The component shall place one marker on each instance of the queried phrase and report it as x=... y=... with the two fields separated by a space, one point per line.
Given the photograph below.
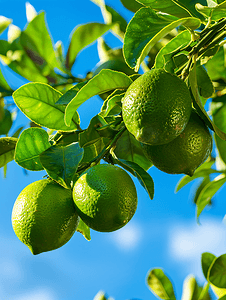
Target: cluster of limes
x=46 y=215
x=157 y=110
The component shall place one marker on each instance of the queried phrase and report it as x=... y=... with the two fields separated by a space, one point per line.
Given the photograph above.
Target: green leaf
x=83 y=36
x=167 y=6
x=217 y=273
x=207 y=193
x=200 y=187
x=191 y=290
x=5 y=89
x=7 y=149
x=61 y=162
x=37 y=102
x=219 y=119
x=128 y=148
x=219 y=11
x=84 y=230
x=160 y=284
x=106 y=80
x=204 y=82
x=4 y=23
x=30 y=12
x=17 y=60
x=31 y=143
x=37 y=43
x=178 y=41
x=115 y=18
x=198 y=104
x=207 y=260
x=70 y=94
x=203 y=171
x=91 y=151
x=189 y=5
x=113 y=105
x=204 y=295
x=139 y=40
x=144 y=178
x=216 y=66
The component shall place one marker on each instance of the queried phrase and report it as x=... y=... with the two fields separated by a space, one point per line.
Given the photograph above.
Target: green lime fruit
x=185 y=153
x=156 y=107
x=6 y=122
x=131 y=5
x=105 y=197
x=44 y=216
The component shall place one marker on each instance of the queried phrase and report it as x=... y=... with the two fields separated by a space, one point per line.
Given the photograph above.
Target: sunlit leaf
x=139 y=40
x=84 y=230
x=208 y=192
x=7 y=149
x=144 y=178
x=81 y=37
x=128 y=148
x=216 y=273
x=160 y=284
x=199 y=106
x=106 y=80
x=182 y=38
x=204 y=82
x=207 y=260
x=203 y=171
x=191 y=289
x=38 y=45
x=4 y=23
x=61 y=162
x=30 y=12
x=37 y=102
x=167 y=6
x=31 y=143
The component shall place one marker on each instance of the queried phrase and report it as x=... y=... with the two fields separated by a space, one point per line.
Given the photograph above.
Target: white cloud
x=128 y=237
x=188 y=241
x=43 y=294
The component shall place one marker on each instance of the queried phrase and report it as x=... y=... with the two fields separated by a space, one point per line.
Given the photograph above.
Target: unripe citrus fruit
x=44 y=216
x=185 y=153
x=105 y=197
x=156 y=107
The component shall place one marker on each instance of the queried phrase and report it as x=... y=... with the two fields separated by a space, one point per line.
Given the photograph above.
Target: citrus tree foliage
x=185 y=38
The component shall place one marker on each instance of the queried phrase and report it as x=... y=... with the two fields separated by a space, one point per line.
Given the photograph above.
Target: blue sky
x=163 y=232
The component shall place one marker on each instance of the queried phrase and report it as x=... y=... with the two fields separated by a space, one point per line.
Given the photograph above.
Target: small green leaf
x=7 y=149
x=30 y=12
x=198 y=104
x=191 y=290
x=207 y=193
x=189 y=5
x=92 y=150
x=178 y=41
x=31 y=143
x=84 y=230
x=205 y=295
x=61 y=162
x=217 y=272
x=216 y=66
x=203 y=171
x=207 y=260
x=37 y=43
x=219 y=11
x=37 y=102
x=144 y=178
x=139 y=40
x=106 y=80
x=4 y=23
x=81 y=37
x=160 y=284
x=204 y=82
x=70 y=94
x=128 y=148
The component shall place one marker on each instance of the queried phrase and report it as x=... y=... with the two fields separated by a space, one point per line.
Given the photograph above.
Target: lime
x=105 y=197
x=185 y=153
x=44 y=216
x=156 y=107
